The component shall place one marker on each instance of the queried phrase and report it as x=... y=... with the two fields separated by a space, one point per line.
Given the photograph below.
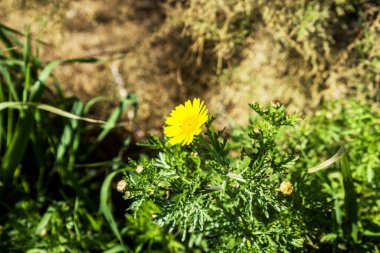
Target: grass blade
x=67 y=135
x=328 y=162
x=92 y=102
x=27 y=67
x=350 y=201
x=10 y=121
x=16 y=149
x=100 y=164
x=45 y=220
x=48 y=108
x=7 y=28
x=113 y=119
x=4 y=37
x=106 y=204
x=46 y=72
x=8 y=80
x=118 y=248
x=78 y=107
x=2 y=132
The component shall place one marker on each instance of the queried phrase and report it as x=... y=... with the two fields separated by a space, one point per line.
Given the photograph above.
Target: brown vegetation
x=228 y=53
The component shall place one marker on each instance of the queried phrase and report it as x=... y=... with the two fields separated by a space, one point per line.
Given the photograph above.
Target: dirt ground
x=150 y=67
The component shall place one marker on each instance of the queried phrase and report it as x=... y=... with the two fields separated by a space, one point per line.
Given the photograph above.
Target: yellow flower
x=185 y=121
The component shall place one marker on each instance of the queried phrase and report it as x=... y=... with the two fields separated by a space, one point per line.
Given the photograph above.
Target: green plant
x=65 y=226
x=217 y=202
x=214 y=200
x=50 y=170
x=147 y=236
x=352 y=221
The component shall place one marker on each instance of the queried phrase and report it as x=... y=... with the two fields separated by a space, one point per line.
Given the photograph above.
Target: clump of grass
x=244 y=49
x=352 y=221
x=319 y=35
x=48 y=178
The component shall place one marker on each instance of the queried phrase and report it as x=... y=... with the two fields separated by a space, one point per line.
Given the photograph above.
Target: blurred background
x=229 y=53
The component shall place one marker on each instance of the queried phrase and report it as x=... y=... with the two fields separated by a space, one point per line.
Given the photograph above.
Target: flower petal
x=186 y=121
x=177 y=139
x=172 y=131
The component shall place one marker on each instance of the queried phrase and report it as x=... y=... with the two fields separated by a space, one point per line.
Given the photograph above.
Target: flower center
x=189 y=125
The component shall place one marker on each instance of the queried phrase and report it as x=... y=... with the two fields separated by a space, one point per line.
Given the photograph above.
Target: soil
x=150 y=66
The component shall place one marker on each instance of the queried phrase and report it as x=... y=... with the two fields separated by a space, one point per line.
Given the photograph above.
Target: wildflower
x=185 y=121
x=286 y=188
x=139 y=169
x=121 y=185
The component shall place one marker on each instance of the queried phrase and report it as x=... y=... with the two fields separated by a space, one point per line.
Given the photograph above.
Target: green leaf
x=328 y=162
x=118 y=248
x=45 y=107
x=350 y=200
x=27 y=66
x=45 y=220
x=106 y=204
x=9 y=82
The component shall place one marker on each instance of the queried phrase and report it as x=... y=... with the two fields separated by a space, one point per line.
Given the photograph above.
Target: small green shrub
x=217 y=202
x=267 y=199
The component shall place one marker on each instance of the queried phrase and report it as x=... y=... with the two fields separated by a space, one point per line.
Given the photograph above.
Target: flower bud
x=194 y=154
x=121 y=185
x=286 y=188
x=139 y=169
x=256 y=130
x=127 y=194
x=43 y=232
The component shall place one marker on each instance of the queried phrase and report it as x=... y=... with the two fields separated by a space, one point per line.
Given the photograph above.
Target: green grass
x=349 y=191
x=46 y=189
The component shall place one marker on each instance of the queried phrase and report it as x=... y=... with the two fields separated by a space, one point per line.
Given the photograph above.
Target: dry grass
x=228 y=53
